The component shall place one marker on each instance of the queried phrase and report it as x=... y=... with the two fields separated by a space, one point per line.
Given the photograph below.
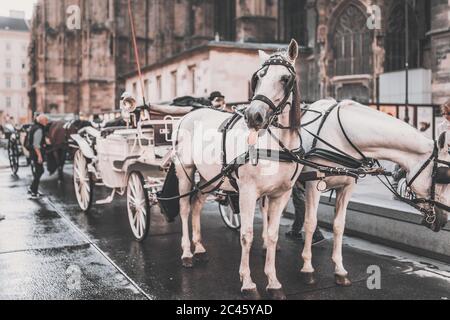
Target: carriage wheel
x=138 y=206
x=231 y=220
x=13 y=155
x=83 y=182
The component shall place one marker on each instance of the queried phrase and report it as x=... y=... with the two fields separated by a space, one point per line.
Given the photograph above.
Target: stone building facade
x=14 y=40
x=85 y=70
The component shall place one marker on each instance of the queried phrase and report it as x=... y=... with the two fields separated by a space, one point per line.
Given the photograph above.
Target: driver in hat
x=218 y=102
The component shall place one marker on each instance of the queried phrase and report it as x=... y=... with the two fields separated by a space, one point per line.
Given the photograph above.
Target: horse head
x=275 y=88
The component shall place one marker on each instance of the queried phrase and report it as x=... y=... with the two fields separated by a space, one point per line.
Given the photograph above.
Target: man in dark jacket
x=298 y=197
x=36 y=145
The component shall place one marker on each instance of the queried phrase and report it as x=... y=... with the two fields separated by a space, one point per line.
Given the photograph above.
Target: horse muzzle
x=256 y=116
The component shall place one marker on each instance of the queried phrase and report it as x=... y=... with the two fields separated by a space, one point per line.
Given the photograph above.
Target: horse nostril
x=259 y=118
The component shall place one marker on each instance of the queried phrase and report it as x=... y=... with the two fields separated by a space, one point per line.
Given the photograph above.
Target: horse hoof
x=251 y=295
x=308 y=278
x=201 y=257
x=276 y=294
x=188 y=263
x=342 y=281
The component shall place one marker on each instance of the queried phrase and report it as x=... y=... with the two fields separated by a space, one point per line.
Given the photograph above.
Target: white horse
x=376 y=136
x=198 y=148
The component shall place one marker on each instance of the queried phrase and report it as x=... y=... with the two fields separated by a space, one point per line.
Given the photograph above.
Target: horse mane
x=295 y=114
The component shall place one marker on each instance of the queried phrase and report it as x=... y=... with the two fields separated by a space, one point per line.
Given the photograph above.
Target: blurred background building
x=14 y=40
x=197 y=46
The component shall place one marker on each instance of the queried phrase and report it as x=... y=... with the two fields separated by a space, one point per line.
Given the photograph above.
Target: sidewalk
x=43 y=257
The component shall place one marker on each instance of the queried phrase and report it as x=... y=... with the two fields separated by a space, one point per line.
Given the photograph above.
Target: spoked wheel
x=83 y=182
x=231 y=220
x=138 y=206
x=13 y=155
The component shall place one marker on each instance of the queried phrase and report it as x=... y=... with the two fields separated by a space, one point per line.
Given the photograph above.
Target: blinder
x=443 y=175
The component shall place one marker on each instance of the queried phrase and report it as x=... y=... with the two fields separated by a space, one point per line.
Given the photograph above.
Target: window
x=352 y=43
x=192 y=79
x=24 y=64
x=395 y=39
x=24 y=83
x=8 y=63
x=174 y=87
x=159 y=88
x=8 y=82
x=294 y=21
x=8 y=102
x=8 y=46
x=225 y=19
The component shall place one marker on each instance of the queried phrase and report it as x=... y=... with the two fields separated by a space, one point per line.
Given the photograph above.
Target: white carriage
x=136 y=160
x=126 y=160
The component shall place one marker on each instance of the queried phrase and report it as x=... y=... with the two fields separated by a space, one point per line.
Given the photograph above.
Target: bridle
x=276 y=60
x=437 y=177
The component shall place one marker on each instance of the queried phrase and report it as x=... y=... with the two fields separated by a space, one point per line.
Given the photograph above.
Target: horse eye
x=285 y=79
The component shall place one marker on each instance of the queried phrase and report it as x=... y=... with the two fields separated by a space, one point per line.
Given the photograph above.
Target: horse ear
x=293 y=50
x=263 y=57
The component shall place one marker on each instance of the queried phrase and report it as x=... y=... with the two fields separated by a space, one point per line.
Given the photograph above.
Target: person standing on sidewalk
x=298 y=197
x=36 y=145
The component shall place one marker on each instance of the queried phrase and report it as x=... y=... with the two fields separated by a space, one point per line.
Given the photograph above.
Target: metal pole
x=406 y=61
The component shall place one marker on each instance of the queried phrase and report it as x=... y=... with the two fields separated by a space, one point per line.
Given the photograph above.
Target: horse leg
x=197 y=205
x=312 y=205
x=62 y=159
x=343 y=196
x=247 y=208
x=185 y=186
x=276 y=207
x=264 y=207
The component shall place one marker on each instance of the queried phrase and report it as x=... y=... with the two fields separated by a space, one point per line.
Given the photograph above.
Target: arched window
x=395 y=39
x=352 y=43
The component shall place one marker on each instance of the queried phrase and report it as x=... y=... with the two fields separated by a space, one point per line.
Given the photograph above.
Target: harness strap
x=348 y=139
x=322 y=123
x=423 y=167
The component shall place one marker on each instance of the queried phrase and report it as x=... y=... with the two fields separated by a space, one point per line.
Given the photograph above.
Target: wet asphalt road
x=42 y=242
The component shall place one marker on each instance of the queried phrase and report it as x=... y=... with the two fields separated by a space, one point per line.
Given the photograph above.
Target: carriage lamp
x=128 y=105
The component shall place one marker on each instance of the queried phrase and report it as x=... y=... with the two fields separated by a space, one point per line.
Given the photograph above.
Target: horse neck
x=381 y=137
x=289 y=137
